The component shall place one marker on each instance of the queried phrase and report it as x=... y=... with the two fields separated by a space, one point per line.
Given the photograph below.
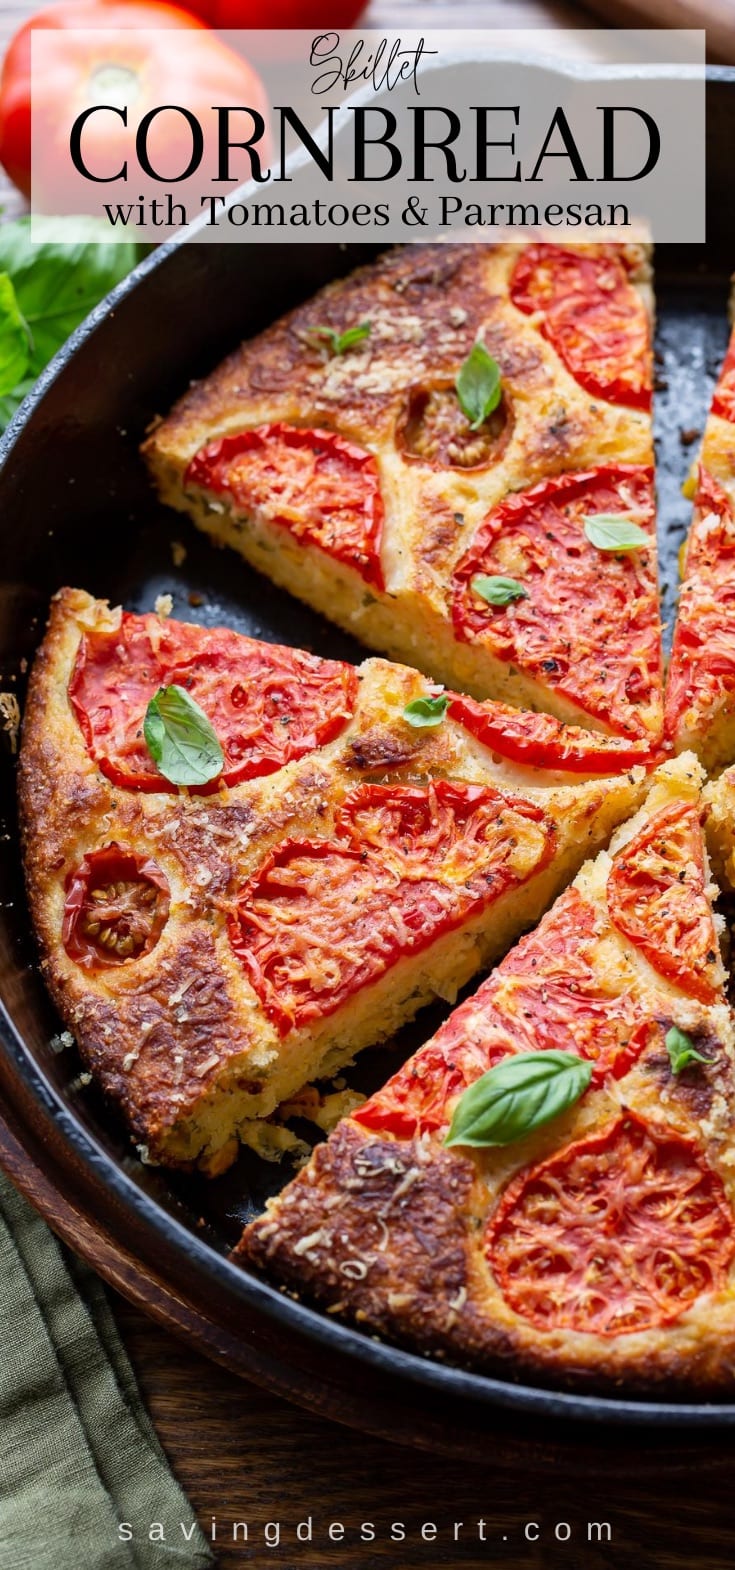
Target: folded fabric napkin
x=78 y=1451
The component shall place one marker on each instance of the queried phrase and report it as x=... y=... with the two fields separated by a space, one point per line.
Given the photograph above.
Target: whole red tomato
x=321 y=14
x=125 y=68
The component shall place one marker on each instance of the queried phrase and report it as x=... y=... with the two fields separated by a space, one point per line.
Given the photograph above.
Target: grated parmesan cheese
x=10 y=718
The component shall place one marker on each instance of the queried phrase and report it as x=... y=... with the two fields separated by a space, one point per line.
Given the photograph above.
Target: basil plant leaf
x=498 y=590
x=15 y=339
x=479 y=386
x=681 y=1050
x=518 y=1095
x=180 y=738
x=610 y=531
x=426 y=713
x=56 y=281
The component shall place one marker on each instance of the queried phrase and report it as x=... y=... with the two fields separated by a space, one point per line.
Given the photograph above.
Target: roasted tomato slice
x=592 y=316
x=656 y=897
x=552 y=992
x=321 y=920
x=723 y=398
x=116 y=907
x=542 y=742
x=420 y=1098
x=268 y=704
x=546 y=994
x=622 y=1231
x=323 y=489
x=702 y=670
x=589 y=628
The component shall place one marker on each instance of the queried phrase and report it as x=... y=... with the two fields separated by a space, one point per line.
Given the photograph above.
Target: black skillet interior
x=76 y=509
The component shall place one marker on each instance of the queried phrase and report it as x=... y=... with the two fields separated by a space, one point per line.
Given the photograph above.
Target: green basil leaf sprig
x=180 y=738
x=15 y=338
x=613 y=531
x=340 y=342
x=54 y=283
x=681 y=1050
x=479 y=387
x=518 y=1095
x=498 y=590
x=426 y=713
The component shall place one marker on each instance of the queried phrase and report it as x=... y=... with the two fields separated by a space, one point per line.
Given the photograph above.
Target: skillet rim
x=346 y=1345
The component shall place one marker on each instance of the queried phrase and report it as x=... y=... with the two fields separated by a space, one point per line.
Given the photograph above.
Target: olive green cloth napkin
x=78 y=1452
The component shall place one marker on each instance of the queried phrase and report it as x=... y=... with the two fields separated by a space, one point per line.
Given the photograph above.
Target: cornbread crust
x=389 y=1231
x=178 y=1037
x=427 y=305
x=719 y=802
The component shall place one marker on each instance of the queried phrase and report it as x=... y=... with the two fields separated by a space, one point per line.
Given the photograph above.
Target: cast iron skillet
x=77 y=509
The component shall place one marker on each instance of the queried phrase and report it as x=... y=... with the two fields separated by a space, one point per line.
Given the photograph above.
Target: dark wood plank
x=244 y=1455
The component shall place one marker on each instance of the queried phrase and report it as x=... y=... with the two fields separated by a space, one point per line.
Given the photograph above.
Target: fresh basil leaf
x=426 y=713
x=612 y=531
x=479 y=388
x=498 y=590
x=57 y=284
x=15 y=341
x=339 y=342
x=180 y=738
x=518 y=1095
x=681 y=1050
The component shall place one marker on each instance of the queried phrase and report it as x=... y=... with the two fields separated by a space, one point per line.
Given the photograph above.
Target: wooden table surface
x=246 y=1456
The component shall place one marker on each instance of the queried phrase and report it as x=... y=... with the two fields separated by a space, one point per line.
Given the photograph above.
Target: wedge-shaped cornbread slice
x=215 y=948
x=390 y=480
x=597 y=1247
x=700 y=690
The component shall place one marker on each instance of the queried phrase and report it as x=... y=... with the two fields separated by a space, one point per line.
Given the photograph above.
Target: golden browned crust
x=427 y=305
x=390 y=1232
x=153 y=1064
x=391 y=1245
x=328 y=1238
x=177 y=1037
